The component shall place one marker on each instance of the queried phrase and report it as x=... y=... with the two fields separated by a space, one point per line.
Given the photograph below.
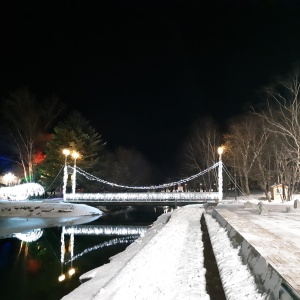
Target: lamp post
x=75 y=156
x=220 y=177
x=66 y=153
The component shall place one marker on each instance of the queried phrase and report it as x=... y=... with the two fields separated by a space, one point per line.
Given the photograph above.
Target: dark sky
x=143 y=71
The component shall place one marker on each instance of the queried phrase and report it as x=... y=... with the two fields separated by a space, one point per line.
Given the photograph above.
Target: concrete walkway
x=270 y=243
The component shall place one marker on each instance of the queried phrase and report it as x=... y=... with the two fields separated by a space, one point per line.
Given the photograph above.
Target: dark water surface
x=30 y=271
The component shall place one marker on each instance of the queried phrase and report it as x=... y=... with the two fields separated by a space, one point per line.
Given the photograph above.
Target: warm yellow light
x=66 y=152
x=220 y=150
x=62 y=277
x=75 y=155
x=71 y=271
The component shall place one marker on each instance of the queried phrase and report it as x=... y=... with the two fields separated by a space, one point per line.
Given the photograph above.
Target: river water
x=30 y=270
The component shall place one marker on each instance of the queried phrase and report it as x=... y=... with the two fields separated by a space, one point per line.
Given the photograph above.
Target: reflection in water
x=106 y=230
x=71 y=249
x=130 y=232
x=9 y=226
x=29 y=236
x=30 y=270
x=23 y=245
x=62 y=254
x=135 y=232
x=71 y=271
x=124 y=240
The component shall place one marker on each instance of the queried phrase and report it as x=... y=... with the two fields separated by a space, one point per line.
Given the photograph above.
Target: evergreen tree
x=75 y=134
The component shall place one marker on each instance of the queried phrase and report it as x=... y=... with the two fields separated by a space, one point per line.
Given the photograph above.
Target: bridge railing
x=142 y=197
x=105 y=230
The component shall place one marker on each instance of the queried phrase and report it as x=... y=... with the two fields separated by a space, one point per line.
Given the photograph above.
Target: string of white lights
x=152 y=187
x=49 y=187
x=62 y=245
x=72 y=244
x=124 y=240
x=106 y=230
x=239 y=188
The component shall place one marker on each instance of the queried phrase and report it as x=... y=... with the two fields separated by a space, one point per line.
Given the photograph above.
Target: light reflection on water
x=30 y=270
x=10 y=226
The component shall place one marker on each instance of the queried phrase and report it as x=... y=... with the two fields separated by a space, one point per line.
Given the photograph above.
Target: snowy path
x=170 y=254
x=238 y=282
x=167 y=263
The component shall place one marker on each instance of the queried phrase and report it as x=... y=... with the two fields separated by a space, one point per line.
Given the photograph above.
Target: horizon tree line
x=262 y=147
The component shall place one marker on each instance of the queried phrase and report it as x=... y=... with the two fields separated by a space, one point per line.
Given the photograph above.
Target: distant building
x=180 y=188
x=279 y=192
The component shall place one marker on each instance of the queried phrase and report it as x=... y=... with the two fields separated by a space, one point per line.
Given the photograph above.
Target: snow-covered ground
x=238 y=282
x=167 y=262
x=20 y=216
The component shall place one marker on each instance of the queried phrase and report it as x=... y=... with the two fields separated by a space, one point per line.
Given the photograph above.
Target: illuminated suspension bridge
x=154 y=194
x=149 y=196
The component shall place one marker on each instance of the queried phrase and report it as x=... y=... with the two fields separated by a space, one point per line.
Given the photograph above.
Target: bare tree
x=27 y=121
x=262 y=150
x=200 y=151
x=282 y=113
x=245 y=143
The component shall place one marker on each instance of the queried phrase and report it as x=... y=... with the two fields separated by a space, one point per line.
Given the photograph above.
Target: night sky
x=142 y=72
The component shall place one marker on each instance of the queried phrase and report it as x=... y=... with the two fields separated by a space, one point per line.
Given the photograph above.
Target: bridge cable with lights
x=140 y=197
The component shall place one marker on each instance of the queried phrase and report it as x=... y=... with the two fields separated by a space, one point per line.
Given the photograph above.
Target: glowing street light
x=9 y=178
x=220 y=177
x=66 y=152
x=75 y=155
x=220 y=152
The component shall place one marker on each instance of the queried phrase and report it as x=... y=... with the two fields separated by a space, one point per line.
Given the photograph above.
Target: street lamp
x=66 y=153
x=9 y=178
x=220 y=177
x=75 y=156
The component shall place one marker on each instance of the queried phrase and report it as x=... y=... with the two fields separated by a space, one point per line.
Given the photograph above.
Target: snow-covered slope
x=27 y=209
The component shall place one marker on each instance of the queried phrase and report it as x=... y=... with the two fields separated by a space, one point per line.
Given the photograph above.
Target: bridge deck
x=142 y=198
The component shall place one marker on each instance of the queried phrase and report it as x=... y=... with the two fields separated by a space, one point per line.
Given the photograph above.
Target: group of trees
x=36 y=131
x=262 y=147
x=26 y=123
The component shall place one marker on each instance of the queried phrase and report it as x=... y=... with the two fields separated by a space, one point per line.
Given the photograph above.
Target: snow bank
x=238 y=282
